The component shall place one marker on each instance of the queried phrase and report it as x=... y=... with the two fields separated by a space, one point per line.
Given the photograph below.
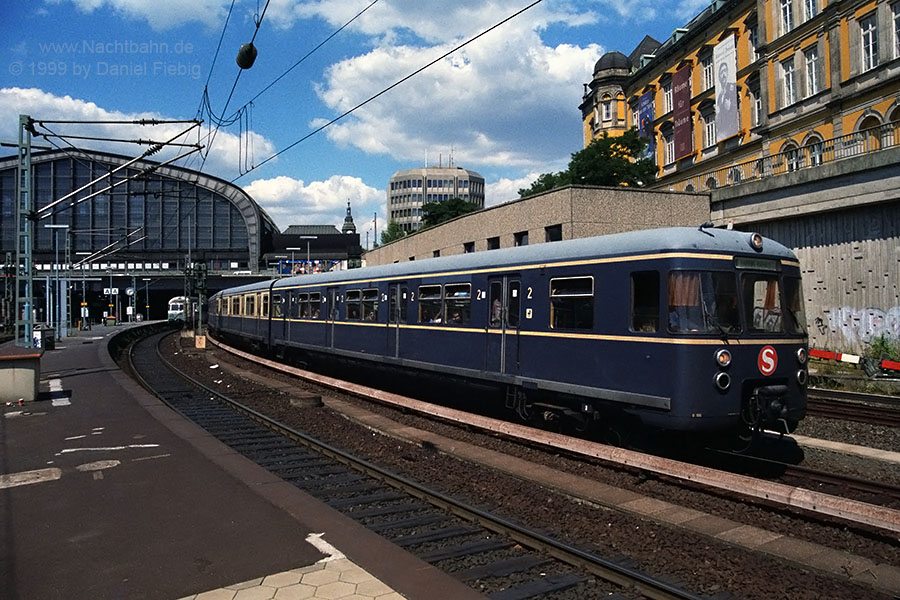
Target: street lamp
x=56 y=316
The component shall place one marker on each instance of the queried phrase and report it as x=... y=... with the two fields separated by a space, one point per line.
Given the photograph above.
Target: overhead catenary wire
x=390 y=87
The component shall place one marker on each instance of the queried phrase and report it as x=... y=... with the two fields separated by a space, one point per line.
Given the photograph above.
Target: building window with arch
x=815 y=151
x=788 y=85
x=711 y=183
x=813 y=83
x=868 y=31
x=793 y=159
x=787 y=16
x=606 y=108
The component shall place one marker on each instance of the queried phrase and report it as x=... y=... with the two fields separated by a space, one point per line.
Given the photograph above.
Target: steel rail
x=607 y=570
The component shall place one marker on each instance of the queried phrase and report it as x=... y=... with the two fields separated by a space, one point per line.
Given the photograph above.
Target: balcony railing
x=815 y=154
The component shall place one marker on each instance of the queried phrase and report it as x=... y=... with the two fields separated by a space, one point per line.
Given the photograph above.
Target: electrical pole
x=24 y=237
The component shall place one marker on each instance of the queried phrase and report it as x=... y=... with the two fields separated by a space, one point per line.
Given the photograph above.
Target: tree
x=613 y=161
x=434 y=213
x=607 y=161
x=394 y=231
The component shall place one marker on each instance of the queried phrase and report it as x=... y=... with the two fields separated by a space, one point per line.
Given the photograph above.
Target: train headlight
x=723 y=357
x=722 y=381
x=802 y=356
x=756 y=242
x=801 y=376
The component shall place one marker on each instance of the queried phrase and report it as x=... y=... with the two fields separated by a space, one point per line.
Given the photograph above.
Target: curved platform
x=106 y=493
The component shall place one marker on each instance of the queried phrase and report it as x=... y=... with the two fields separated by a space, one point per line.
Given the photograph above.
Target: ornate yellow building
x=750 y=88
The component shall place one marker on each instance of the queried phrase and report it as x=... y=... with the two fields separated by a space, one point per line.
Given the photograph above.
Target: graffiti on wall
x=856 y=326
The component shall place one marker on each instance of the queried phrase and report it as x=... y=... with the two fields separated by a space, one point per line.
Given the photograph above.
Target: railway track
x=854 y=406
x=512 y=560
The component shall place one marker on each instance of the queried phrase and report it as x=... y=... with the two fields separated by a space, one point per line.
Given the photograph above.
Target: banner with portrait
x=681 y=113
x=646 y=111
x=725 y=65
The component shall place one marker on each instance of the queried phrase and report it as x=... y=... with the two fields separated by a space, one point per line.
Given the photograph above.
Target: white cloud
x=489 y=101
x=504 y=189
x=292 y=201
x=159 y=14
x=223 y=160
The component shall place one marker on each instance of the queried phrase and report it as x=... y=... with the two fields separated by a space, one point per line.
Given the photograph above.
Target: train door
x=504 y=302
x=331 y=312
x=397 y=311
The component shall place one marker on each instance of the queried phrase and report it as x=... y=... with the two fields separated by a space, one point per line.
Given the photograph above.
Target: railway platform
x=106 y=493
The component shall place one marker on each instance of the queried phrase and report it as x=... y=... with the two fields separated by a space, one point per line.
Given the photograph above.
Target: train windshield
x=763 y=307
x=703 y=302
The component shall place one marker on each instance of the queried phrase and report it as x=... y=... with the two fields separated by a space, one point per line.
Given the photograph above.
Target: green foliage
x=394 y=231
x=434 y=213
x=608 y=161
x=883 y=348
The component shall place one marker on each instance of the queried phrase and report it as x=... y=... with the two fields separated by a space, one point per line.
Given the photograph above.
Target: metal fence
x=813 y=154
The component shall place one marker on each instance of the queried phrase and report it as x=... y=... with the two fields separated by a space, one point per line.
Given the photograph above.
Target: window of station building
x=520 y=238
x=457 y=303
x=493 y=243
x=606 y=108
x=572 y=303
x=436 y=253
x=787 y=16
x=810 y=9
x=667 y=96
x=668 y=146
x=816 y=151
x=708 y=114
x=707 y=80
x=553 y=233
x=353 y=302
x=813 y=77
x=788 y=85
x=645 y=301
x=753 y=41
x=869 y=39
x=468 y=247
x=895 y=29
x=370 y=304
x=430 y=304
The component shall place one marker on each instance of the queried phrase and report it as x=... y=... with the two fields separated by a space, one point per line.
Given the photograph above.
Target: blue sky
x=505 y=106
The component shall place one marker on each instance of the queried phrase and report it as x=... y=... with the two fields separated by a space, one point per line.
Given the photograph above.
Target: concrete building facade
x=410 y=189
x=561 y=214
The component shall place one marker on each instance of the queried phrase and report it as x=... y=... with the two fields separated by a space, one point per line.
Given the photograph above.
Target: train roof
x=673 y=239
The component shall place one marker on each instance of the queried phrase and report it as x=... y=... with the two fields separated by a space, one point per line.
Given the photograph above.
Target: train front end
x=741 y=343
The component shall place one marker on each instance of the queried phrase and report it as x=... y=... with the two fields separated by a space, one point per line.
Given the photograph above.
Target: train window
x=236 y=306
x=496 y=298
x=370 y=304
x=249 y=306
x=793 y=292
x=353 y=305
x=762 y=303
x=645 y=301
x=572 y=303
x=277 y=301
x=264 y=305
x=457 y=303
x=315 y=300
x=703 y=302
x=303 y=301
x=513 y=301
x=430 y=304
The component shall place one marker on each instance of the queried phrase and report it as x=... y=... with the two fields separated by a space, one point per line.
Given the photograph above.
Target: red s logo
x=767 y=360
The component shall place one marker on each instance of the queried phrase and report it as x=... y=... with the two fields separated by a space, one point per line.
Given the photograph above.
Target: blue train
x=682 y=329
